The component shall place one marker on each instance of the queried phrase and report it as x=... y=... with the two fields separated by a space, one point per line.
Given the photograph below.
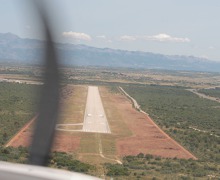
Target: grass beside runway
x=73 y=104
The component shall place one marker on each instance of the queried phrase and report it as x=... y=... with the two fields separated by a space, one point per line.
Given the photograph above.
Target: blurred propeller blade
x=49 y=105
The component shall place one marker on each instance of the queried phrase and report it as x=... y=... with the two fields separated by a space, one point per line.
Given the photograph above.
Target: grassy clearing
x=68 y=127
x=89 y=143
x=108 y=145
x=114 y=117
x=73 y=106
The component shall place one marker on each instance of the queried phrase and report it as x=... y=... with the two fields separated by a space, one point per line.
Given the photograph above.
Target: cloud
x=101 y=37
x=77 y=36
x=166 y=38
x=104 y=38
x=127 y=38
x=159 y=37
x=162 y=37
x=211 y=47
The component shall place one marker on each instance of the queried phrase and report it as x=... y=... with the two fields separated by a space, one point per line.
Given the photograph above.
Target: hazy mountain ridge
x=18 y=50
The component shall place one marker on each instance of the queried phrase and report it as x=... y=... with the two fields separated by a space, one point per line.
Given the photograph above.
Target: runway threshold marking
x=94 y=118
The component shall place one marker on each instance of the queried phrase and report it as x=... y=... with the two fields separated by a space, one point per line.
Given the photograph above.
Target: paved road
x=95 y=119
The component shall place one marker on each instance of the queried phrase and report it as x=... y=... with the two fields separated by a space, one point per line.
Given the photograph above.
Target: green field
x=177 y=111
x=149 y=167
x=57 y=160
x=211 y=92
x=18 y=103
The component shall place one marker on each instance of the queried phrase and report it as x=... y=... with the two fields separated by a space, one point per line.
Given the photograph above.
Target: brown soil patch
x=21 y=135
x=22 y=138
x=63 y=142
x=71 y=112
x=146 y=136
x=132 y=132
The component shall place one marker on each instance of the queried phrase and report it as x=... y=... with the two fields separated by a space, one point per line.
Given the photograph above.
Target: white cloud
x=104 y=38
x=166 y=38
x=159 y=37
x=211 y=47
x=127 y=38
x=101 y=37
x=77 y=35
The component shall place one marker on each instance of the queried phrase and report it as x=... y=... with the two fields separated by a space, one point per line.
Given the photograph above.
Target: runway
x=94 y=118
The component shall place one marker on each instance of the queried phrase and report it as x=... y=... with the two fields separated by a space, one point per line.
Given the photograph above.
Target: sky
x=170 y=27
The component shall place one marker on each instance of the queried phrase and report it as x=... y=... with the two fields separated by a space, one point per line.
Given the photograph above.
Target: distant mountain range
x=14 y=49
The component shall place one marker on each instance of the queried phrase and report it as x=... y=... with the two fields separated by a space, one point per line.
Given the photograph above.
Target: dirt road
x=203 y=95
x=147 y=137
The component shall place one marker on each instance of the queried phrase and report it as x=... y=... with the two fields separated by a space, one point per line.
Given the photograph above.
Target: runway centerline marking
x=94 y=118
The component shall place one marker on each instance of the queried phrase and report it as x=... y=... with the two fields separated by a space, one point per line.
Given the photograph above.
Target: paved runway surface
x=95 y=119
